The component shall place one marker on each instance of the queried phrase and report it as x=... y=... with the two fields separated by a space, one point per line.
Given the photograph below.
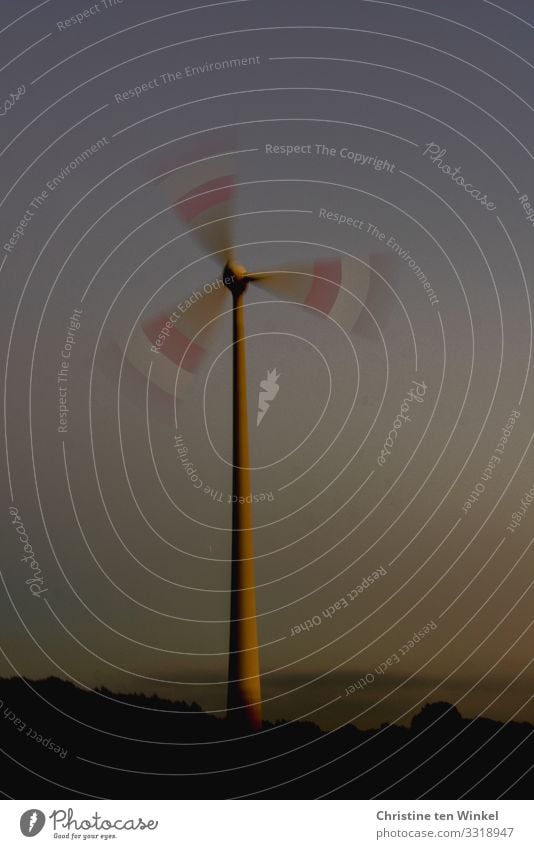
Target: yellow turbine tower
x=244 y=689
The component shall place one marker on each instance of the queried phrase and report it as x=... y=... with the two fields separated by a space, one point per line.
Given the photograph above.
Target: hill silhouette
x=59 y=741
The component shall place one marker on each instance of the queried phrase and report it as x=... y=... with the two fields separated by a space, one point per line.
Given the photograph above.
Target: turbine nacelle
x=236 y=278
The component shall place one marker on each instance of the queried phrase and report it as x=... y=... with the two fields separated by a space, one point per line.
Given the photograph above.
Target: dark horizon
x=439 y=755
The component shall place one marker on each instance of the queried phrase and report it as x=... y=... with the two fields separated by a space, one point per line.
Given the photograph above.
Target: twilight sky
x=134 y=557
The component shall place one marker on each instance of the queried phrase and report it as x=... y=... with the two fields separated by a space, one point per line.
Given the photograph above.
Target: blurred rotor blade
x=341 y=288
x=201 y=186
x=337 y=287
x=133 y=382
x=170 y=346
x=290 y=284
x=381 y=300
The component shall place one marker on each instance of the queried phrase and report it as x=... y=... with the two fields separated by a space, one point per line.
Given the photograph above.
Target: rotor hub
x=235 y=278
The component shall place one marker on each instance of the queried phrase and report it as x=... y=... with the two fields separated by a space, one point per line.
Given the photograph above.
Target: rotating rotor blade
x=201 y=187
x=346 y=290
x=381 y=301
x=169 y=347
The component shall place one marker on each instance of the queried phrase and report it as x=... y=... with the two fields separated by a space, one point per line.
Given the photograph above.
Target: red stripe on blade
x=133 y=382
x=208 y=195
x=175 y=344
x=380 y=301
x=323 y=293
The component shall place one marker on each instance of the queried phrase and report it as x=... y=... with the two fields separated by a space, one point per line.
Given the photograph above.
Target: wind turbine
x=244 y=691
x=338 y=288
